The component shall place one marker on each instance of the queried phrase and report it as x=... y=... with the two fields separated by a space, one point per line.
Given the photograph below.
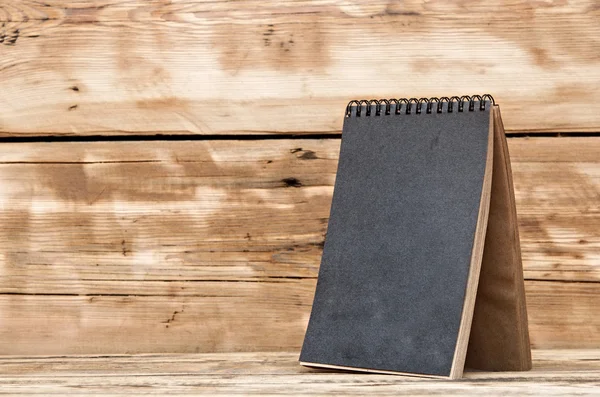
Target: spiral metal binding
x=406 y=105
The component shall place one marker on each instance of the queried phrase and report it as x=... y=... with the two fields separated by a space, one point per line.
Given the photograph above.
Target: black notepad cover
x=396 y=260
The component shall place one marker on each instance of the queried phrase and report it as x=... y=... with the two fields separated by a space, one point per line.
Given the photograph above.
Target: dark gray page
x=394 y=270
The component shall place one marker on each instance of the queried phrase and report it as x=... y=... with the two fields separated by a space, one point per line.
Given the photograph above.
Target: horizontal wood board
x=554 y=373
x=113 y=67
x=204 y=246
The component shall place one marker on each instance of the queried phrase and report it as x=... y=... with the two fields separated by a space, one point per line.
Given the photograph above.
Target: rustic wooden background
x=209 y=239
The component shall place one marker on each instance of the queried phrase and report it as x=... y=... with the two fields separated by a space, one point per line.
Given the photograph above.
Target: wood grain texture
x=118 y=247
x=188 y=66
x=555 y=372
x=231 y=316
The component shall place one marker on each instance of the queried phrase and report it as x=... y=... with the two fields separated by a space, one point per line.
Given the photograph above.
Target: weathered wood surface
x=554 y=373
x=236 y=316
x=220 y=67
x=119 y=247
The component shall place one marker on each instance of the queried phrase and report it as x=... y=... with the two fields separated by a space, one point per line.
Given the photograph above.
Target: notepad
x=421 y=268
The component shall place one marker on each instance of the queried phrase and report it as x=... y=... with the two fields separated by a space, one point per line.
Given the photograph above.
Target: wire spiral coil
x=405 y=105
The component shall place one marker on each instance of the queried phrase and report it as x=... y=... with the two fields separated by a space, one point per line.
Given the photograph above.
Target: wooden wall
x=213 y=243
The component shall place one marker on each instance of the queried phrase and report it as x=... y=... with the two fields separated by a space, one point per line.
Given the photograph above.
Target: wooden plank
x=103 y=243
x=219 y=316
x=186 y=66
x=245 y=210
x=555 y=372
x=237 y=316
x=563 y=314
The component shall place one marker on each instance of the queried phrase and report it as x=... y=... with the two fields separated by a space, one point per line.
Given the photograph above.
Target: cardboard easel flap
x=499 y=339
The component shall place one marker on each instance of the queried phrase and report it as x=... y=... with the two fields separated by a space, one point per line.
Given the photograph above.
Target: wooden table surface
x=555 y=372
